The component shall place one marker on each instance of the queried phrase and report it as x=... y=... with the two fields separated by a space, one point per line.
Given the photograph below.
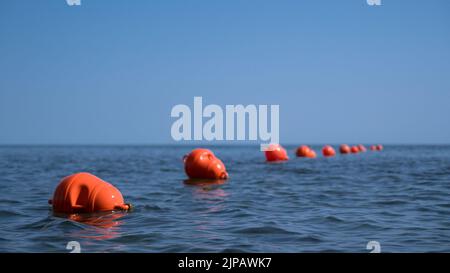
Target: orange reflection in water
x=214 y=198
x=100 y=225
x=208 y=190
x=204 y=182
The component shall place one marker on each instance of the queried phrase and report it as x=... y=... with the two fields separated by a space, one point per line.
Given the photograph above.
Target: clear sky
x=109 y=72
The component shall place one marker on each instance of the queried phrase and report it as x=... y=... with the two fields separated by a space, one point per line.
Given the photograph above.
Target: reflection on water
x=208 y=190
x=204 y=182
x=213 y=199
x=99 y=226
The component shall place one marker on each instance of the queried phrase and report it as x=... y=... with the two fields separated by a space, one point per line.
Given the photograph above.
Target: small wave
x=240 y=249
x=9 y=213
x=264 y=230
x=168 y=170
x=310 y=239
x=390 y=202
x=242 y=214
x=445 y=205
x=134 y=238
x=334 y=219
x=152 y=208
x=52 y=222
x=10 y=202
x=366 y=226
x=303 y=171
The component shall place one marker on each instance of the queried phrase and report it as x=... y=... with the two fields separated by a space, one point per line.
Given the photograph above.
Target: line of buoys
x=275 y=152
x=84 y=192
x=328 y=150
x=203 y=164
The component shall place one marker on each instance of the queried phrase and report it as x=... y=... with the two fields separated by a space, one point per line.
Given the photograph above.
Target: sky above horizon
x=109 y=72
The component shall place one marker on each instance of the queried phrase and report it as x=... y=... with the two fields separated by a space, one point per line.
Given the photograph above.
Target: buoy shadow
x=204 y=182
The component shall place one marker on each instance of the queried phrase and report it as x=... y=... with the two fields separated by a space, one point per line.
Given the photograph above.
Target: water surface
x=398 y=197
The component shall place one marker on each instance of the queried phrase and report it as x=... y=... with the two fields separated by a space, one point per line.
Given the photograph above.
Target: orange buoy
x=202 y=163
x=379 y=147
x=373 y=148
x=84 y=192
x=362 y=148
x=344 y=149
x=303 y=151
x=311 y=154
x=328 y=151
x=276 y=152
x=354 y=149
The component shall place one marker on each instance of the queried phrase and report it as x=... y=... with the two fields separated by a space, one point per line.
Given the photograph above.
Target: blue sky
x=109 y=72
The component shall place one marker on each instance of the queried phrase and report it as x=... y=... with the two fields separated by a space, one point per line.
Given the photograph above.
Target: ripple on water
x=5 y=214
x=264 y=230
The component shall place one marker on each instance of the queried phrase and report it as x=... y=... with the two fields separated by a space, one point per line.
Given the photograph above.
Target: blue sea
x=399 y=197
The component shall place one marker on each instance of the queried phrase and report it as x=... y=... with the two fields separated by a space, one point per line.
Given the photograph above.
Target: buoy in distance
x=379 y=147
x=344 y=149
x=203 y=164
x=275 y=152
x=354 y=149
x=373 y=147
x=362 y=148
x=84 y=192
x=303 y=151
x=311 y=154
x=328 y=151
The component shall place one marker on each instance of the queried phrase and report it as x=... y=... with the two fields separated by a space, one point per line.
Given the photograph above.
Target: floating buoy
x=311 y=154
x=362 y=148
x=275 y=152
x=303 y=151
x=373 y=148
x=202 y=163
x=84 y=192
x=379 y=147
x=354 y=149
x=328 y=151
x=344 y=149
